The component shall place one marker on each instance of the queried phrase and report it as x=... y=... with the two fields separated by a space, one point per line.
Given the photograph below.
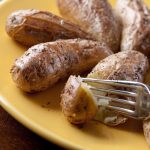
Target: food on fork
x=30 y=27
x=78 y=103
x=126 y=65
x=135 y=17
x=44 y=64
x=95 y=17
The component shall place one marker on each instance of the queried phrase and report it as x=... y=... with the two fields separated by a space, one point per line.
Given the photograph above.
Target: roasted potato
x=43 y=65
x=135 y=17
x=126 y=65
x=30 y=27
x=95 y=17
x=78 y=103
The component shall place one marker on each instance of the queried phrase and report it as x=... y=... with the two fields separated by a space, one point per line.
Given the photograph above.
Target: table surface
x=14 y=136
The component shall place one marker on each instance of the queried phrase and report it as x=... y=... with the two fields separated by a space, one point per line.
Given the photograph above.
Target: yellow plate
x=41 y=112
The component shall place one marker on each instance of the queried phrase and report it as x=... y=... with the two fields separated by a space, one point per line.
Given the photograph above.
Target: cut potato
x=126 y=65
x=78 y=103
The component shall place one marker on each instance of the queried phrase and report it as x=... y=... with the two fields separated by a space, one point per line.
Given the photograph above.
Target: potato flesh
x=78 y=103
x=103 y=114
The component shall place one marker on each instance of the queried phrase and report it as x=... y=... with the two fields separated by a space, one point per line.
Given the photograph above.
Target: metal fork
x=136 y=96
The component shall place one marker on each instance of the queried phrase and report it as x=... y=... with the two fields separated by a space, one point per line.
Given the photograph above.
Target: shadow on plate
x=132 y=126
x=49 y=99
x=98 y=129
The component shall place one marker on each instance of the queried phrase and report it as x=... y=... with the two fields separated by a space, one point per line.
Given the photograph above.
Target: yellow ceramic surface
x=41 y=112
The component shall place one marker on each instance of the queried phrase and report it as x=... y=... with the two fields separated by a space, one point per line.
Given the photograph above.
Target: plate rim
x=34 y=127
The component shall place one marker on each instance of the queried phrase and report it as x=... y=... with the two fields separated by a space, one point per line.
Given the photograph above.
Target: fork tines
x=126 y=102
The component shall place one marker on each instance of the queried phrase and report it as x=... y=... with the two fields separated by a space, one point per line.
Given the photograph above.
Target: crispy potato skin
x=77 y=107
x=95 y=17
x=30 y=27
x=125 y=65
x=135 y=17
x=146 y=128
x=43 y=65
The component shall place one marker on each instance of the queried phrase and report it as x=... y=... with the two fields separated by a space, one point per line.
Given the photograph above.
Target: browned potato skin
x=135 y=17
x=30 y=27
x=95 y=17
x=74 y=103
x=43 y=65
x=146 y=128
x=125 y=65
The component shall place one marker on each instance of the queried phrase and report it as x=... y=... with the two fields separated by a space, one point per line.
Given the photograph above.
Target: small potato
x=95 y=17
x=44 y=64
x=135 y=17
x=126 y=65
x=30 y=27
x=78 y=103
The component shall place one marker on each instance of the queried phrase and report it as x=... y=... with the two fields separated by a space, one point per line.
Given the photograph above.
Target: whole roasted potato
x=30 y=27
x=95 y=17
x=44 y=64
x=126 y=65
x=135 y=17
